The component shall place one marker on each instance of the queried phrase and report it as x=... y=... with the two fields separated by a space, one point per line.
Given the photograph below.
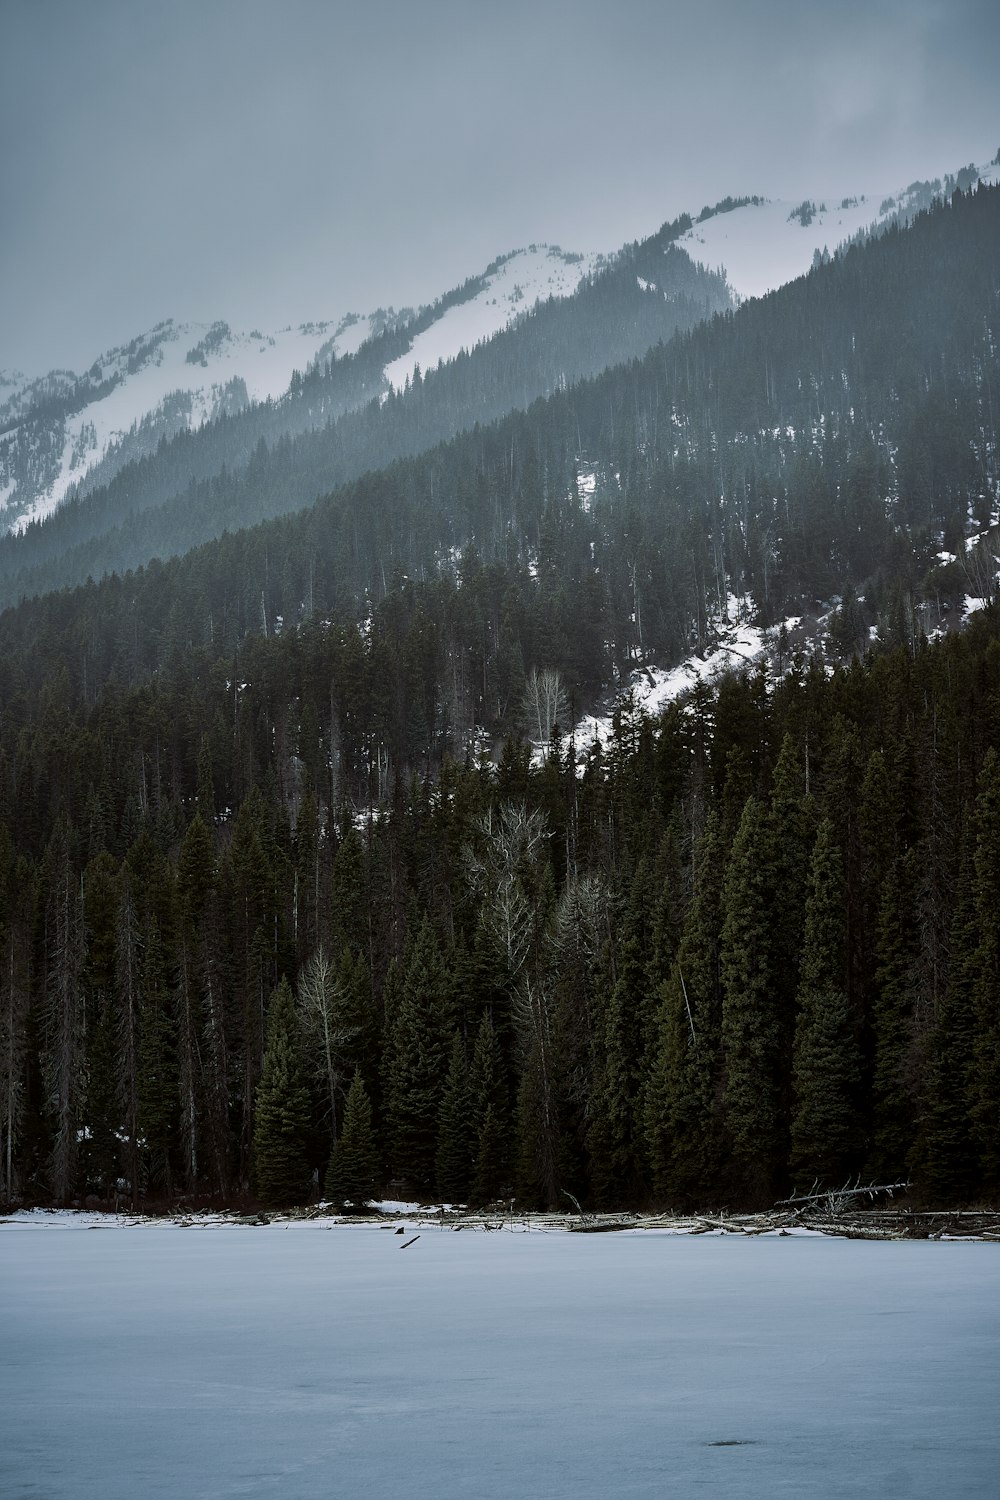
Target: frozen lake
x=304 y=1361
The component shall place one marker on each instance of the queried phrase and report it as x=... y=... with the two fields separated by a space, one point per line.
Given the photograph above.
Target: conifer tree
x=681 y=1108
x=619 y=1162
x=352 y=1173
x=418 y=1063
x=158 y=1096
x=789 y=821
x=456 y=1130
x=986 y=1070
x=945 y=1159
x=751 y=1022
x=893 y=1092
x=825 y=1061
x=64 y=1062
x=490 y=1112
x=281 y=1132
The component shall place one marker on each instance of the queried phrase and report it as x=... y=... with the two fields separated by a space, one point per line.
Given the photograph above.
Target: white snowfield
x=519 y=282
x=264 y=362
x=761 y=246
x=301 y=1360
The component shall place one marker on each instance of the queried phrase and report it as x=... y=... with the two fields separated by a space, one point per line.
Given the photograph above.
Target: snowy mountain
x=761 y=243
x=63 y=433
x=512 y=286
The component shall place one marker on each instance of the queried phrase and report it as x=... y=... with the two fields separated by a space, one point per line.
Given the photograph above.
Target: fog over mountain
x=268 y=166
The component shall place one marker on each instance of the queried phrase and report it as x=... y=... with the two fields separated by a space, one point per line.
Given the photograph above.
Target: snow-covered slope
x=512 y=286
x=762 y=244
x=53 y=430
x=56 y=429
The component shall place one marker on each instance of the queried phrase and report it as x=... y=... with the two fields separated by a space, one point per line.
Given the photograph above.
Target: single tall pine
x=826 y=1065
x=353 y=1170
x=281 y=1131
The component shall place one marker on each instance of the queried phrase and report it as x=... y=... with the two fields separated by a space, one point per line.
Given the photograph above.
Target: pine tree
x=681 y=1111
x=826 y=1066
x=456 y=1130
x=986 y=1069
x=158 y=1097
x=893 y=1092
x=490 y=1111
x=283 y=1116
x=418 y=1063
x=64 y=1063
x=945 y=1159
x=352 y=1174
x=621 y=1162
x=752 y=1026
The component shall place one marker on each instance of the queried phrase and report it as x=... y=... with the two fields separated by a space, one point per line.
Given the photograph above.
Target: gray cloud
x=268 y=163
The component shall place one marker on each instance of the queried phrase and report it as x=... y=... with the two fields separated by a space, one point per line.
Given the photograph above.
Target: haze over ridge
x=266 y=167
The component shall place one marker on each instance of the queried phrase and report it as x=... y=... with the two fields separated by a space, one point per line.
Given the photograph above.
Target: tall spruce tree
x=419 y=1063
x=894 y=1099
x=282 y=1173
x=945 y=1158
x=456 y=1130
x=682 y=1110
x=752 y=1024
x=986 y=1068
x=826 y=1065
x=620 y=1160
x=490 y=1116
x=352 y=1173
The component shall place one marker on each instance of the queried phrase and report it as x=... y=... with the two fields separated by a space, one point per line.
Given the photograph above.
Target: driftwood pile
x=849 y=1212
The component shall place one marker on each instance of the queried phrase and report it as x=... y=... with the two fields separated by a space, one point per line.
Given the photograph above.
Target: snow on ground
x=737 y=644
x=526 y=277
x=586 y=485
x=306 y=1361
x=761 y=246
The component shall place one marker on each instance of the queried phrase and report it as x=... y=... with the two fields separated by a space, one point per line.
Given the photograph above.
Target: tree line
x=744 y=947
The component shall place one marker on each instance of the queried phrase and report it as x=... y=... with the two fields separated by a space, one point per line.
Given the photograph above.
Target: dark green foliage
x=682 y=1102
x=352 y=1173
x=944 y=1156
x=490 y=1117
x=283 y=1110
x=896 y=956
x=628 y=1030
x=752 y=1023
x=457 y=1142
x=985 y=1082
x=825 y=1063
x=416 y=1076
x=178 y=779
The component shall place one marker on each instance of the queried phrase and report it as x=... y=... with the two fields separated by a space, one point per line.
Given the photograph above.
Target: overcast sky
x=269 y=162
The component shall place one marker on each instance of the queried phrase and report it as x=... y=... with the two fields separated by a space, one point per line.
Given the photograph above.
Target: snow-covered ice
x=299 y=1361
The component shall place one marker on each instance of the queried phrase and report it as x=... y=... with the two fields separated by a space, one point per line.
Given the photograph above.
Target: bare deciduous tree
x=325 y=1030
x=545 y=705
x=508 y=841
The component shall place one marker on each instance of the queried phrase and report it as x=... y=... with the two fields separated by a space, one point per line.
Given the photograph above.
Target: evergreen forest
x=300 y=893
